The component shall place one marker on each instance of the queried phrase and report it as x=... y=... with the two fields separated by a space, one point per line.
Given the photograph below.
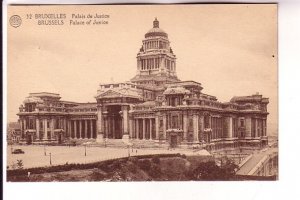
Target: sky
x=230 y=49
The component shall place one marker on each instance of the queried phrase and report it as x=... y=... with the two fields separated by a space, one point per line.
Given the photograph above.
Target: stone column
x=144 y=129
x=85 y=129
x=263 y=127
x=37 y=124
x=137 y=132
x=130 y=127
x=229 y=126
x=113 y=129
x=248 y=126
x=65 y=126
x=125 y=119
x=45 y=129
x=69 y=129
x=80 y=129
x=92 y=131
x=106 y=127
x=99 y=134
x=21 y=127
x=202 y=125
x=52 y=128
x=256 y=128
x=25 y=125
x=150 y=130
x=196 y=128
x=185 y=126
x=75 y=129
x=156 y=127
x=165 y=126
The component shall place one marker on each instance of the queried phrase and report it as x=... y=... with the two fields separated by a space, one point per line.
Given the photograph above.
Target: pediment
x=172 y=91
x=110 y=94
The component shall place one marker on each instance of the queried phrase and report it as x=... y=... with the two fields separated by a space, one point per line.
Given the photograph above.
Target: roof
x=44 y=94
x=252 y=98
x=33 y=99
x=185 y=83
x=124 y=90
x=155 y=77
x=176 y=90
x=156 y=31
x=85 y=105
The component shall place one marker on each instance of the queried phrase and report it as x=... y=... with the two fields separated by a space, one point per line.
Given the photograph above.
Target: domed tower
x=156 y=62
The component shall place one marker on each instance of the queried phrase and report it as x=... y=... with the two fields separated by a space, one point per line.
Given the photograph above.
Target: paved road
x=253 y=161
x=35 y=155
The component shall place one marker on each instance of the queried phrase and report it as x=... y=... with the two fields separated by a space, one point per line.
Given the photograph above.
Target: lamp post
x=45 y=150
x=50 y=159
x=84 y=150
x=128 y=147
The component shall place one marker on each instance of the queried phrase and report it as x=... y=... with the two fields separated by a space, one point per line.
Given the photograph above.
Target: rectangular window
x=175 y=122
x=161 y=123
x=242 y=121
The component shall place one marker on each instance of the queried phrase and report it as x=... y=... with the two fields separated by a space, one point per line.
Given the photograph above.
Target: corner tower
x=156 y=62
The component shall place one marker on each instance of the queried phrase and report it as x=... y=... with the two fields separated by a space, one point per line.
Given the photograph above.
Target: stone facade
x=153 y=106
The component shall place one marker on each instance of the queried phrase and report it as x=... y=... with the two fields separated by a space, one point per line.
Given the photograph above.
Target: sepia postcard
x=184 y=92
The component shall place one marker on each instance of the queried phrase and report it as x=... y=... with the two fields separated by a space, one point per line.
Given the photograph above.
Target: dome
x=156 y=31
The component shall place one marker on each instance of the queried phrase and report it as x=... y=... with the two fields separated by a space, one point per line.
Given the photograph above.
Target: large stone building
x=155 y=107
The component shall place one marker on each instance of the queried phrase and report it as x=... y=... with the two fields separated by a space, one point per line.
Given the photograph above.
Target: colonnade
x=44 y=128
x=82 y=128
x=193 y=126
x=144 y=128
x=155 y=44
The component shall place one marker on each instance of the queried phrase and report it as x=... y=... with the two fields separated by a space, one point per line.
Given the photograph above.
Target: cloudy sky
x=230 y=49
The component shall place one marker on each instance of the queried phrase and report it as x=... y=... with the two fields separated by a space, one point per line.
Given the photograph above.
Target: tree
x=210 y=171
x=20 y=164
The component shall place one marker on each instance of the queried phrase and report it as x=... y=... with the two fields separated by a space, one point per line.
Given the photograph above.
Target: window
x=242 y=122
x=174 y=122
x=206 y=122
x=161 y=123
x=30 y=123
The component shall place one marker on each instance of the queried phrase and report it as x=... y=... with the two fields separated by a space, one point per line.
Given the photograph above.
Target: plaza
x=39 y=155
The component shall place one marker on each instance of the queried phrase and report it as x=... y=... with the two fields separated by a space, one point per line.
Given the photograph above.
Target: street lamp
x=45 y=150
x=50 y=159
x=128 y=150
x=84 y=150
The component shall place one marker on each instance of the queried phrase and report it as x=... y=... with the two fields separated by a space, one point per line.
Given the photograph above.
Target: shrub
x=116 y=164
x=98 y=176
x=144 y=164
x=133 y=159
x=132 y=167
x=155 y=171
x=155 y=160
x=183 y=156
